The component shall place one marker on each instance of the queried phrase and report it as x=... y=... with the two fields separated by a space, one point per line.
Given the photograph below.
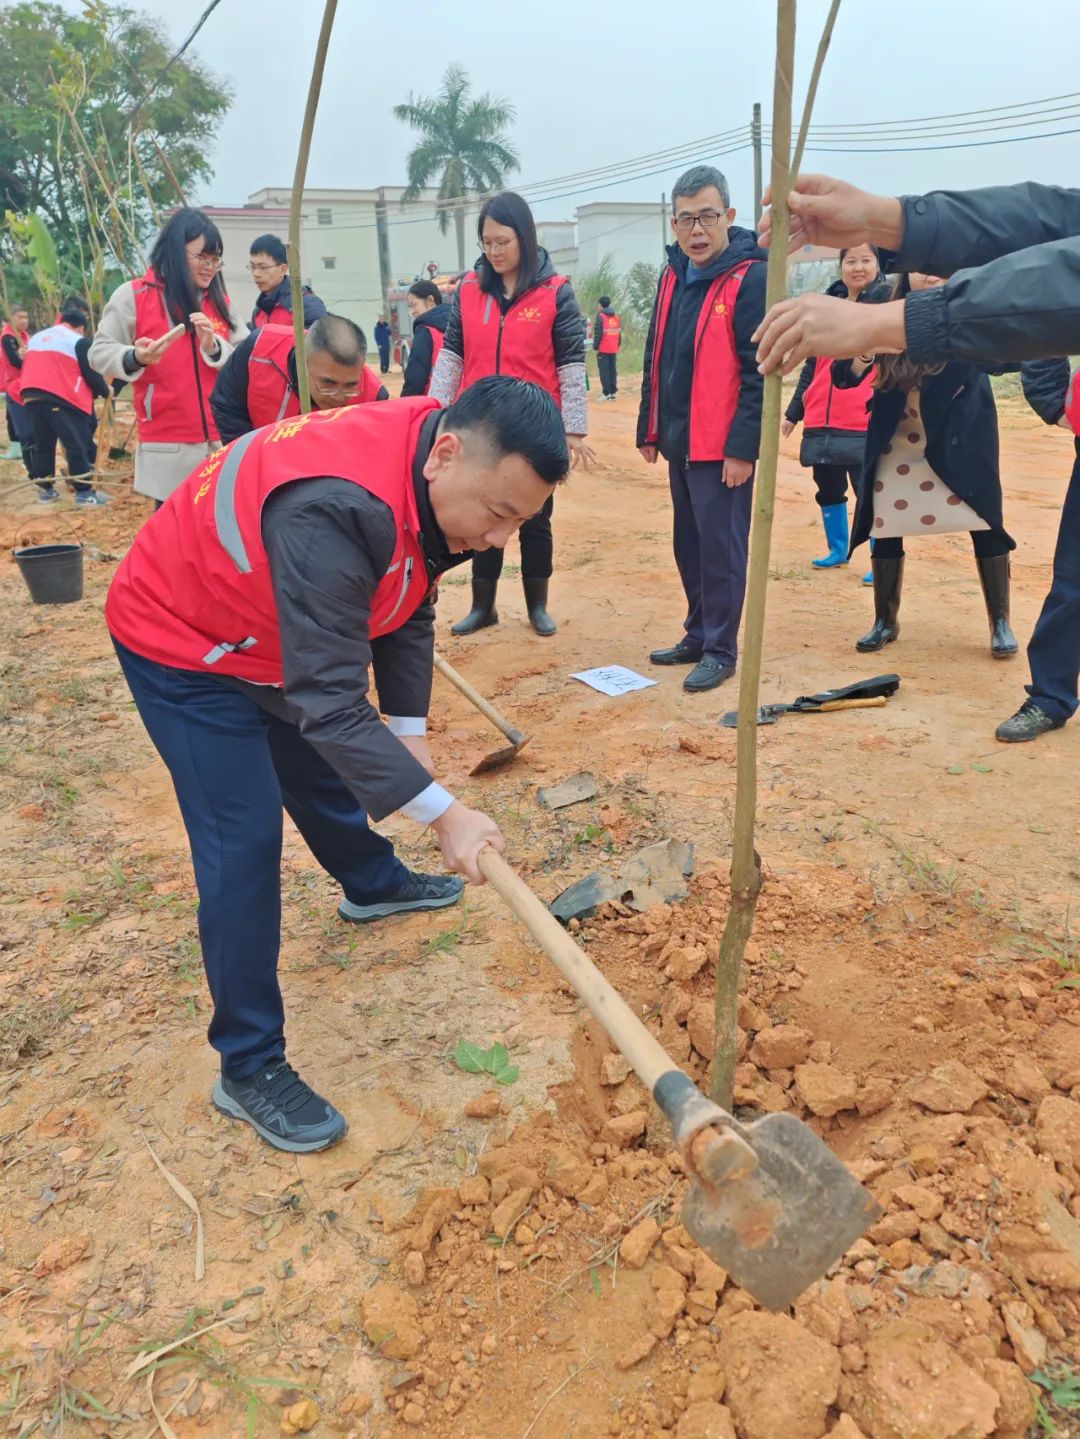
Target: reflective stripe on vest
x=228 y=526
x=1072 y=403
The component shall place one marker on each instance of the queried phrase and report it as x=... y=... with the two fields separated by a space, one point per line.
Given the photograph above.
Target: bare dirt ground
x=908 y=992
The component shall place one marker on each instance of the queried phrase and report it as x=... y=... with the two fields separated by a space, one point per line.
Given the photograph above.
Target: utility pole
x=663 y=224
x=755 y=136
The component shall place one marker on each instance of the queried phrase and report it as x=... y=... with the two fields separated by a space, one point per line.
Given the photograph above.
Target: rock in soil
x=1057 y=1126
x=635 y=1248
x=782 y=1047
x=61 y=1254
x=782 y=1379
x=951 y=1088
x=484 y=1106
x=391 y=1322
x=915 y=1387
x=705 y=1420
x=639 y=1350
x=824 y=1089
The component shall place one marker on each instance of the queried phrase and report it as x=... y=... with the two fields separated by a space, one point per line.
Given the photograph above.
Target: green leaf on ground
x=494 y=1061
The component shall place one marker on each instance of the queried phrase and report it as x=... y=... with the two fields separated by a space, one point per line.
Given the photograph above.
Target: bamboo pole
x=169 y=171
x=106 y=187
x=296 y=285
x=745 y=861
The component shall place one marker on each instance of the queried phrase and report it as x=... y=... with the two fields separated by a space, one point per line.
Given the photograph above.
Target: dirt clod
x=391 y=1321
x=824 y=1089
x=300 y=1418
x=636 y=1246
x=1057 y=1126
x=951 y=1088
x=915 y=1387
x=705 y=1420
x=484 y=1106
x=781 y=1378
x=61 y=1254
x=781 y=1047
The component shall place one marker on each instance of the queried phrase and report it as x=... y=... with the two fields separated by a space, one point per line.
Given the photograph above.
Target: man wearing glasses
x=701 y=409
x=269 y=268
x=258 y=384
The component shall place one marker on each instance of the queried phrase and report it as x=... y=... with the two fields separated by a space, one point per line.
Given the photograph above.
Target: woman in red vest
x=169 y=332
x=834 y=421
x=513 y=315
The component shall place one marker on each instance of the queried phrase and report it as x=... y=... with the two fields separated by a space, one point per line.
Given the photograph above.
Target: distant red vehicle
x=397 y=312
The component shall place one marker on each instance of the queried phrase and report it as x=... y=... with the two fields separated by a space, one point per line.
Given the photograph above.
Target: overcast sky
x=596 y=82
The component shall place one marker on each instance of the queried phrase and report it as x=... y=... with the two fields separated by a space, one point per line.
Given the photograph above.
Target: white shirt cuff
x=428 y=805
x=406 y=725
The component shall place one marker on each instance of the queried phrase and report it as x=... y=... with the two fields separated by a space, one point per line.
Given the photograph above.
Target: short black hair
x=339 y=338
x=271 y=245
x=516 y=417
x=511 y=210
x=604 y=301
x=72 y=312
x=426 y=290
x=696 y=179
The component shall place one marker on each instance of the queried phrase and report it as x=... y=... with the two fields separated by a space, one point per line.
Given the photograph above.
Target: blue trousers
x=234 y=767
x=712 y=537
x=1054 y=650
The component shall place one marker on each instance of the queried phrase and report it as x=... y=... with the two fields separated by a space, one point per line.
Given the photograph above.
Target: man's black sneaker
x=280 y=1107
x=420 y=891
x=680 y=654
x=1029 y=722
x=707 y=674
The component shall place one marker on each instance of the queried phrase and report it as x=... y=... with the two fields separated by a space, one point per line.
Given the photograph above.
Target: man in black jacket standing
x=701 y=409
x=1022 y=302
x=269 y=266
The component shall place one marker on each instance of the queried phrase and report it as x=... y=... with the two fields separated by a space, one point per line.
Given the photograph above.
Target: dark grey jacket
x=1023 y=302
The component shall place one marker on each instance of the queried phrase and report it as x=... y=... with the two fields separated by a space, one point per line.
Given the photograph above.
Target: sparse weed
x=447 y=940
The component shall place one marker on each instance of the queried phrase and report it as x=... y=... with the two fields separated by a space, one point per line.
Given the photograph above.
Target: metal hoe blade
x=783 y=1226
x=499 y=757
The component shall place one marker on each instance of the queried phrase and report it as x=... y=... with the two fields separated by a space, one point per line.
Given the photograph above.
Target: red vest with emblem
x=517 y=343
x=827 y=408
x=195 y=592
x=610 y=334
x=270 y=393
x=714 y=389
x=10 y=377
x=52 y=365
x=1072 y=403
x=172 y=398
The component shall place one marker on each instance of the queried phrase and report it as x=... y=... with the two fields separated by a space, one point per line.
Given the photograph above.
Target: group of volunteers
x=283 y=573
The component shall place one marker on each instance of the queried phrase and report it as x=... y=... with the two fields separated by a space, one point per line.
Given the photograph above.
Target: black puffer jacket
x=422 y=354
x=829 y=444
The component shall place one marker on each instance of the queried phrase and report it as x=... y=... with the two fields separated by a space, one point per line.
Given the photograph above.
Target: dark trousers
x=20 y=430
x=384 y=358
x=712 y=536
x=1054 y=651
x=832 y=483
x=233 y=767
x=74 y=430
x=985 y=543
x=537 y=549
x=608 y=367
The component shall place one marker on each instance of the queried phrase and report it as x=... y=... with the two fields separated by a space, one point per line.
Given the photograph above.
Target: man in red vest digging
x=246 y=616
x=701 y=409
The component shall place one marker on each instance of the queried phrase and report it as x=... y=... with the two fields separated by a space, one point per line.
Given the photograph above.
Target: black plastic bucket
x=53 y=573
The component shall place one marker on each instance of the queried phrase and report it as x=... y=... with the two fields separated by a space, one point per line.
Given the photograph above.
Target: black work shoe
x=1029 y=722
x=281 y=1109
x=420 y=891
x=684 y=653
x=707 y=674
x=536 y=597
x=483 y=612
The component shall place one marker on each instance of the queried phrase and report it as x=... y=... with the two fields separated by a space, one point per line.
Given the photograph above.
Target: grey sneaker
x=1029 y=722
x=419 y=892
x=281 y=1109
x=47 y=494
x=84 y=498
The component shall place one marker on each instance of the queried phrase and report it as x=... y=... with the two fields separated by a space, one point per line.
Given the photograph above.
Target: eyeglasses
x=495 y=247
x=262 y=269
x=205 y=258
x=708 y=220
x=347 y=392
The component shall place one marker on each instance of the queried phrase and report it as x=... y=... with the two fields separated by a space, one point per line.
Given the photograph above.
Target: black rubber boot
x=994 y=578
x=536 y=594
x=483 y=612
x=888 y=582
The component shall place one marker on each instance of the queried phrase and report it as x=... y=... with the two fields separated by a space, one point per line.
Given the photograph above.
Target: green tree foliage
x=109 y=64
x=640 y=291
x=463 y=144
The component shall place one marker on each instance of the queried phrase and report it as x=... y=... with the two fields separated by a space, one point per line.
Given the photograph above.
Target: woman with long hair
x=169 y=332
x=931 y=467
x=835 y=420
x=513 y=315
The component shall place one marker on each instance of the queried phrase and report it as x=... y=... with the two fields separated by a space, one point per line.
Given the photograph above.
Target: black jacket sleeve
x=1046 y=384
x=402 y=664
x=418 y=369
x=11 y=351
x=949 y=230
x=229 y=397
x=1024 y=306
x=844 y=378
x=314 y=309
x=455 y=340
x=384 y=393
x=796 y=409
x=744 y=436
x=647 y=374
x=98 y=384
x=597 y=331
x=568 y=333
x=329 y=544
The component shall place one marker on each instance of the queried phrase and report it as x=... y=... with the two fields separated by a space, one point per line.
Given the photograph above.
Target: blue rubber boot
x=868 y=578
x=834 y=518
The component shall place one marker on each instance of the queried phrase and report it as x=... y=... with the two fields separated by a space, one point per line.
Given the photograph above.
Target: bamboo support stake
x=296 y=286
x=745 y=861
x=169 y=171
x=84 y=146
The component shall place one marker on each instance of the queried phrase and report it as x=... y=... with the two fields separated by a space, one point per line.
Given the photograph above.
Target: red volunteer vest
x=10 y=377
x=194 y=591
x=610 y=334
x=826 y=407
x=1072 y=403
x=270 y=393
x=52 y=365
x=714 y=389
x=172 y=398
x=517 y=343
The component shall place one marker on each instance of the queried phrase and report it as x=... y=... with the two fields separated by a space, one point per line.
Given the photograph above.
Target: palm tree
x=464 y=143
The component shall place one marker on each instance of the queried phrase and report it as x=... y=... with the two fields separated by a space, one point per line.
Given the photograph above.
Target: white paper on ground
x=613 y=680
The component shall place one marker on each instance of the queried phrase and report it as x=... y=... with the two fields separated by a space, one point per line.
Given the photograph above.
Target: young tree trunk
x=459 y=226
